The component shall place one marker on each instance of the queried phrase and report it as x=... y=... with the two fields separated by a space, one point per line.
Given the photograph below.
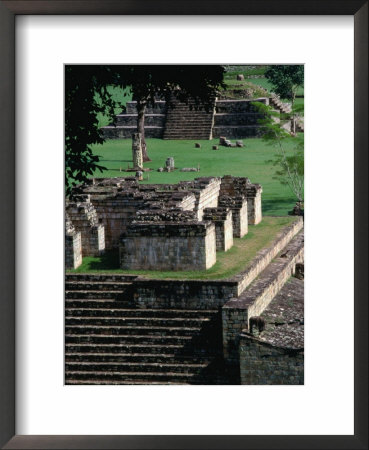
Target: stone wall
x=239 y=209
x=126 y=122
x=84 y=218
x=261 y=363
x=168 y=246
x=182 y=294
x=73 y=246
x=237 y=312
x=231 y=118
x=267 y=254
x=254 y=204
x=236 y=187
x=238 y=118
x=222 y=219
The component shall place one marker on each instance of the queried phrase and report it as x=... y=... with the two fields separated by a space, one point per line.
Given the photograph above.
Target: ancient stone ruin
x=130 y=329
x=165 y=226
x=235 y=119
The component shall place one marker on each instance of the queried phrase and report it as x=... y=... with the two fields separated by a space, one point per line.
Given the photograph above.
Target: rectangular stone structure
x=238 y=206
x=254 y=203
x=232 y=187
x=168 y=246
x=84 y=218
x=73 y=247
x=222 y=218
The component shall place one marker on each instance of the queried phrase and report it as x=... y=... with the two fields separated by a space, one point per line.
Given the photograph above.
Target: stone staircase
x=276 y=103
x=253 y=301
x=185 y=123
x=110 y=341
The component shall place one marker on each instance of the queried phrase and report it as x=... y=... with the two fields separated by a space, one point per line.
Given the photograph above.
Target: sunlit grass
x=228 y=263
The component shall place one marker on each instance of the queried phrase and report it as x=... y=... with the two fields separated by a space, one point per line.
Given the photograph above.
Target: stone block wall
x=206 y=191
x=222 y=218
x=126 y=122
x=233 y=322
x=239 y=209
x=261 y=363
x=233 y=187
x=84 y=218
x=237 y=312
x=73 y=246
x=254 y=204
x=180 y=294
x=267 y=254
x=168 y=246
x=238 y=119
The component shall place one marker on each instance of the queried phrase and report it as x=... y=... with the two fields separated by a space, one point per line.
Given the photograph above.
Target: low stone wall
x=182 y=294
x=267 y=254
x=237 y=312
x=168 y=246
x=222 y=218
x=262 y=363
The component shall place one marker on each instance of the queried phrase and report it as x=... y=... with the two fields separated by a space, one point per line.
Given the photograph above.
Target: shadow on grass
x=279 y=207
x=108 y=261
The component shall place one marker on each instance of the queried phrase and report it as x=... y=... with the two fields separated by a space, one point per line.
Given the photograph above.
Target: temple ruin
x=164 y=226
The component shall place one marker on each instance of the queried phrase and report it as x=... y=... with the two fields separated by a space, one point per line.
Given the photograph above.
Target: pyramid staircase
x=186 y=121
x=110 y=341
x=276 y=103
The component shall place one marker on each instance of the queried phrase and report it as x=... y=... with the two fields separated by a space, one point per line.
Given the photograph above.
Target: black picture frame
x=8 y=11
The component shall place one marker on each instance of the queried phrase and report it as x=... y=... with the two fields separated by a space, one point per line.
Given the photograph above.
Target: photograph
x=184 y=224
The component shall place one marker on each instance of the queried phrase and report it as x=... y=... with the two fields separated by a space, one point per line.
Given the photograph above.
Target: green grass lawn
x=228 y=263
x=249 y=161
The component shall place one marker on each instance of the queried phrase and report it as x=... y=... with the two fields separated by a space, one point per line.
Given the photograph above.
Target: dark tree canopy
x=82 y=83
x=286 y=79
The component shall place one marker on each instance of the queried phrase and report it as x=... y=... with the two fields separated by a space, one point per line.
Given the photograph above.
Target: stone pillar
x=73 y=246
x=169 y=163
x=84 y=218
x=137 y=151
x=254 y=203
x=222 y=218
x=234 y=319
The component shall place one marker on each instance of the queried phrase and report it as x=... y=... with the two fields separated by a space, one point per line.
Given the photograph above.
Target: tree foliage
x=149 y=82
x=286 y=80
x=289 y=168
x=86 y=95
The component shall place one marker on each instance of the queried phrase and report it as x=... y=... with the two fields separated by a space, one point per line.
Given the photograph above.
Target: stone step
x=143 y=367
x=256 y=298
x=179 y=350
x=98 y=277
x=122 y=377
x=157 y=358
x=93 y=294
x=82 y=285
x=100 y=303
x=127 y=339
x=126 y=330
x=121 y=382
x=137 y=321
x=108 y=311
